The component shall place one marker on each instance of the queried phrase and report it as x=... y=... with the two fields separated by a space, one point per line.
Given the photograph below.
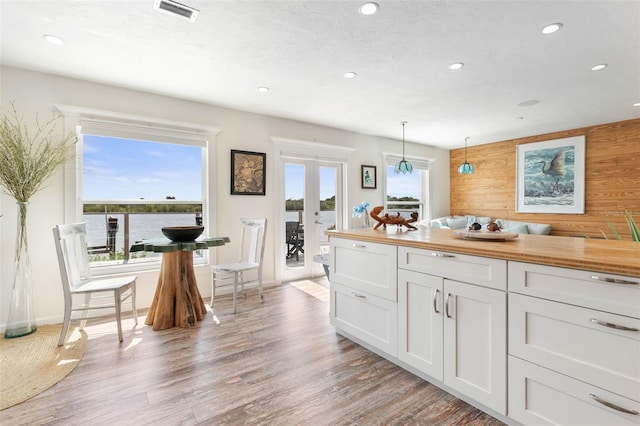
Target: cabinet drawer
x=364 y=266
x=478 y=270
x=538 y=396
x=606 y=292
x=578 y=342
x=372 y=319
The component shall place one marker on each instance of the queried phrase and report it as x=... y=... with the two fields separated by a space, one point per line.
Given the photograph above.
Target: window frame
x=135 y=127
x=419 y=164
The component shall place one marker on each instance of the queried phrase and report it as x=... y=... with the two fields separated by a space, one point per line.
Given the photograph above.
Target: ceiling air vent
x=175 y=8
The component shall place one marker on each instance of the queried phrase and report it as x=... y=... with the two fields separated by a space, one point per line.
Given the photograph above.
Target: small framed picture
x=248 y=173
x=369 y=177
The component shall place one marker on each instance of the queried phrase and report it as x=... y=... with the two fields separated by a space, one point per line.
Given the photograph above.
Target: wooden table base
x=177 y=301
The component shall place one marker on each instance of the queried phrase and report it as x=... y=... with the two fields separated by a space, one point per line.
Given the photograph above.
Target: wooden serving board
x=484 y=235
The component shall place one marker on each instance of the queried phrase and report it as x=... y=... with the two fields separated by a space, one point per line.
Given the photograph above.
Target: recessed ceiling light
x=551 y=28
x=263 y=89
x=636 y=104
x=529 y=103
x=53 y=39
x=456 y=66
x=599 y=67
x=369 y=8
x=349 y=74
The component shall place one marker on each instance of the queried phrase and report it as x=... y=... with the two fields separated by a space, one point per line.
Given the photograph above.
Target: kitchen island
x=533 y=330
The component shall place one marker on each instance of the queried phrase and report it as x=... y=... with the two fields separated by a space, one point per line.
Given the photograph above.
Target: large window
x=406 y=193
x=133 y=188
x=133 y=176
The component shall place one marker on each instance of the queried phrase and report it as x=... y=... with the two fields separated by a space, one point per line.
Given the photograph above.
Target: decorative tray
x=484 y=235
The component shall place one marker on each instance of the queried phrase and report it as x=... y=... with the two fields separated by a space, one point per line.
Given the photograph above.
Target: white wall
x=37 y=93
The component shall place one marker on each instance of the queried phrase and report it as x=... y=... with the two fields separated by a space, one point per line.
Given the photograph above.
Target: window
x=132 y=188
x=406 y=193
x=133 y=177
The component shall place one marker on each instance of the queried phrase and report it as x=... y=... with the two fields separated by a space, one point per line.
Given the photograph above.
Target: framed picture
x=550 y=176
x=368 y=177
x=248 y=172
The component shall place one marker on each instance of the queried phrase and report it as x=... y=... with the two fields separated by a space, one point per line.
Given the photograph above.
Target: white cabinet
x=475 y=343
x=453 y=331
x=539 y=396
x=420 y=318
x=364 y=292
x=574 y=346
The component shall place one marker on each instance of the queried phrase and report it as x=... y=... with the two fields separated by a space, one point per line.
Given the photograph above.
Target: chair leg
x=65 y=323
x=133 y=303
x=235 y=290
x=213 y=288
x=85 y=313
x=118 y=302
x=260 y=284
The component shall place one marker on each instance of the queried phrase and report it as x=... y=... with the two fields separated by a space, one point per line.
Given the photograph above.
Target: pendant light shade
x=465 y=168
x=403 y=166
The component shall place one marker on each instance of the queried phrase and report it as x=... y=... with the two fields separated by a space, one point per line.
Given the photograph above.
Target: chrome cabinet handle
x=441 y=254
x=611 y=405
x=613 y=280
x=359 y=296
x=435 y=301
x=446 y=306
x=612 y=325
x=358 y=245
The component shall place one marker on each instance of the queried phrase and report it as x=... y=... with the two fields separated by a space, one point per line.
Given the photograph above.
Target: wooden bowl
x=182 y=233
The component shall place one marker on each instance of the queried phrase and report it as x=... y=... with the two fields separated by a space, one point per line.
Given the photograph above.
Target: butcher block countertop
x=611 y=256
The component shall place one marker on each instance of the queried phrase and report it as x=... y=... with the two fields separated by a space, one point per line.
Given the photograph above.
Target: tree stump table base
x=177 y=301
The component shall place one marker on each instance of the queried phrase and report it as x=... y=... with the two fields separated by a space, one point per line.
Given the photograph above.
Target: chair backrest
x=253 y=233
x=73 y=258
x=291 y=229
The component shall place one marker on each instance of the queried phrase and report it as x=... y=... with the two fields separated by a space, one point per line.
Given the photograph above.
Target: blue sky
x=130 y=170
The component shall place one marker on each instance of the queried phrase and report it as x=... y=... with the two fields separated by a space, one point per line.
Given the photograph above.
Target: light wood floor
x=277 y=363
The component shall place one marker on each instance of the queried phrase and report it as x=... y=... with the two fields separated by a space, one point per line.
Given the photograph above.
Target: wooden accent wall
x=612 y=180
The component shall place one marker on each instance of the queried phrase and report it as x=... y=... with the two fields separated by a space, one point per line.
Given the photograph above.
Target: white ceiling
x=300 y=49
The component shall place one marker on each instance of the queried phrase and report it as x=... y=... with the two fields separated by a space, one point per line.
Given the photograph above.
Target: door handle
x=611 y=405
x=446 y=306
x=435 y=301
x=612 y=325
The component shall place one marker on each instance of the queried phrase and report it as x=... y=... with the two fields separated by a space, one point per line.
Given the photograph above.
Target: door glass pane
x=294 y=214
x=327 y=215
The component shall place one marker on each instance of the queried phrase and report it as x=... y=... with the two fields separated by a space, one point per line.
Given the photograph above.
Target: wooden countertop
x=611 y=256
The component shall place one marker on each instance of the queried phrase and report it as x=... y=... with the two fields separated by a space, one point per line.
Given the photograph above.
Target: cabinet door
x=420 y=305
x=475 y=343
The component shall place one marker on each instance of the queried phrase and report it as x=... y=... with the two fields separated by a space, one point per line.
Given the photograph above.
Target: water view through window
x=132 y=188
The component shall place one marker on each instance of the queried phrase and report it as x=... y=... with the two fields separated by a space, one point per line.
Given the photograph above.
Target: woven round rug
x=32 y=364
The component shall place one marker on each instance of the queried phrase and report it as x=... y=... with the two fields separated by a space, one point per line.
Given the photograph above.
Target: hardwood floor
x=277 y=363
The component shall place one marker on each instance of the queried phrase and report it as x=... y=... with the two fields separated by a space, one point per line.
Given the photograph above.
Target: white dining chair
x=73 y=259
x=253 y=233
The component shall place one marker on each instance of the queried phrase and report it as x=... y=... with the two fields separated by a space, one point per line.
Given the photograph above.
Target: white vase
x=21 y=320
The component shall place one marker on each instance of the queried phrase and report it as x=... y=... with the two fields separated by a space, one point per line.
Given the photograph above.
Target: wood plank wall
x=612 y=180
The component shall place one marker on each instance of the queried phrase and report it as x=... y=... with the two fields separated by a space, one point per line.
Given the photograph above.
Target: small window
x=407 y=193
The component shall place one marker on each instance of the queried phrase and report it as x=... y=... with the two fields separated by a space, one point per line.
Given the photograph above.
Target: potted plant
x=27 y=160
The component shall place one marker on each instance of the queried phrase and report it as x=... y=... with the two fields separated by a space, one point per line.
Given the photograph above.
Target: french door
x=311 y=190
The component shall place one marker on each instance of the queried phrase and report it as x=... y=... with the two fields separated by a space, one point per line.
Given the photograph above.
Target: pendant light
x=465 y=168
x=403 y=166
